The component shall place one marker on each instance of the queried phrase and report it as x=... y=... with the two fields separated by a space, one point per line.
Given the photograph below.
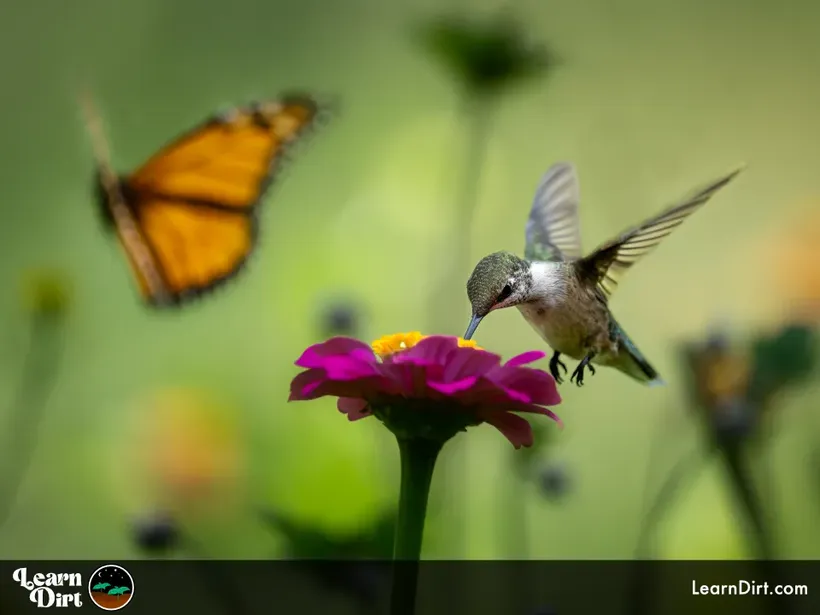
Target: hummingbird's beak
x=474 y=322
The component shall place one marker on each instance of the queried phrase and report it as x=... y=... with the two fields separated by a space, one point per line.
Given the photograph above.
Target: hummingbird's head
x=499 y=280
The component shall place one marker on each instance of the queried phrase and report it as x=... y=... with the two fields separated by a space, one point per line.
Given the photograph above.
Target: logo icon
x=111 y=587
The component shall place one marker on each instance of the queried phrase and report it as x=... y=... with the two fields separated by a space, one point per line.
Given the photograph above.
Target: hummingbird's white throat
x=549 y=282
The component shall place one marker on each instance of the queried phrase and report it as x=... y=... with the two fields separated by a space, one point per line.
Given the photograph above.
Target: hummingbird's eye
x=505 y=293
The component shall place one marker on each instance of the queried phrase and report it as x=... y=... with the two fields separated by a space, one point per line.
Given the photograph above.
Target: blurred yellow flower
x=797 y=268
x=721 y=375
x=390 y=344
x=190 y=448
x=46 y=292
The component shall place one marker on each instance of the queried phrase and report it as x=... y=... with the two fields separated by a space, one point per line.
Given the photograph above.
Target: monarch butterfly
x=187 y=218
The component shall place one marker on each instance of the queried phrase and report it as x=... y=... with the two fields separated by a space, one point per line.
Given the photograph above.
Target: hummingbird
x=564 y=295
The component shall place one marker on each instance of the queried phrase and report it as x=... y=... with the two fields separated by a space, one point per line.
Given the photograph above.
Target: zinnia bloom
x=429 y=387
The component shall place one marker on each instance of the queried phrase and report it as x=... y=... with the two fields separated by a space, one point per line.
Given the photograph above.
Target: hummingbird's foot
x=578 y=374
x=555 y=362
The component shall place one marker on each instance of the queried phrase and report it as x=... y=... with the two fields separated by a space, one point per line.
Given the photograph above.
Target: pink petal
x=517 y=430
x=304 y=384
x=451 y=388
x=539 y=387
x=354 y=408
x=433 y=349
x=469 y=362
x=524 y=358
x=512 y=406
x=516 y=395
x=348 y=367
x=315 y=356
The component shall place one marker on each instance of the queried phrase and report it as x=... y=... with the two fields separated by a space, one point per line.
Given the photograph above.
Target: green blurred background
x=650 y=100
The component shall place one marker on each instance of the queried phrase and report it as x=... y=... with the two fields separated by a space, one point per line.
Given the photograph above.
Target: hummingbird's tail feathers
x=632 y=363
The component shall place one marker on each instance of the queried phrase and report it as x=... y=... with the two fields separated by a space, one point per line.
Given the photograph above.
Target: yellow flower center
x=390 y=344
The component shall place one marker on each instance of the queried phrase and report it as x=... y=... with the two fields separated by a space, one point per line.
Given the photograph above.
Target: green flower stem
x=685 y=471
x=39 y=375
x=746 y=492
x=644 y=582
x=514 y=526
x=418 y=460
x=477 y=112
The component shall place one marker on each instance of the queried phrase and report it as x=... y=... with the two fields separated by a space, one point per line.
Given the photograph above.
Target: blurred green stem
x=39 y=375
x=746 y=492
x=656 y=505
x=477 y=111
x=744 y=488
x=418 y=460
x=514 y=525
x=514 y=521
x=686 y=469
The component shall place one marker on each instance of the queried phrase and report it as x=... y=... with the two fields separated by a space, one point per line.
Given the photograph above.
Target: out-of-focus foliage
x=485 y=55
x=374 y=541
x=353 y=576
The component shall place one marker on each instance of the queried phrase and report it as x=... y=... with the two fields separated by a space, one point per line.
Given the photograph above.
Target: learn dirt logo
x=111 y=587
x=51 y=589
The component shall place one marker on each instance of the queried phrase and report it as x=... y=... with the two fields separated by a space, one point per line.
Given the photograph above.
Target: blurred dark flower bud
x=156 y=534
x=340 y=318
x=46 y=294
x=554 y=481
x=485 y=56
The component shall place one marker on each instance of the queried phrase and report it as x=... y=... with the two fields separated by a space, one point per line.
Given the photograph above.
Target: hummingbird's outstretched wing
x=553 y=228
x=608 y=262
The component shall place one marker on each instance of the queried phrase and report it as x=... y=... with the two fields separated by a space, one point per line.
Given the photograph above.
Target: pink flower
x=442 y=376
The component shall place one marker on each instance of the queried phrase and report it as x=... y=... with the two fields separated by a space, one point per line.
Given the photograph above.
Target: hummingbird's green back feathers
x=553 y=228
x=607 y=264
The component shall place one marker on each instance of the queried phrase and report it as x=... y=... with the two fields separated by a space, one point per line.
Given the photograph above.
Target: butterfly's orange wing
x=193 y=203
x=194 y=248
x=229 y=159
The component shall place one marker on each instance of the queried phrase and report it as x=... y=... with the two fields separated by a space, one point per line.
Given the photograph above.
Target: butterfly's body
x=564 y=296
x=187 y=218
